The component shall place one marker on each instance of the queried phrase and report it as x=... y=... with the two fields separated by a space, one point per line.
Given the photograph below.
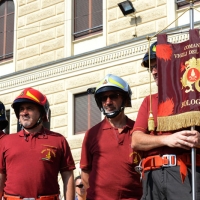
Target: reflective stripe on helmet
x=111 y=80
x=32 y=96
x=154 y=48
x=115 y=83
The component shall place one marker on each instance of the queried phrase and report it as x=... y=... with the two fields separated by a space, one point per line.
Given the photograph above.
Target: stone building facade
x=46 y=56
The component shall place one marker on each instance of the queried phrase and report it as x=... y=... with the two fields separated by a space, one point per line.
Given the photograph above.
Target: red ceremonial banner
x=178 y=82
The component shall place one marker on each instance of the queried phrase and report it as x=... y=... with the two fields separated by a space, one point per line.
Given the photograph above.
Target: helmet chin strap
x=35 y=125
x=114 y=113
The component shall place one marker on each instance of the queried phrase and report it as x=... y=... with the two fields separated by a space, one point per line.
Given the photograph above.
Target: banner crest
x=178 y=82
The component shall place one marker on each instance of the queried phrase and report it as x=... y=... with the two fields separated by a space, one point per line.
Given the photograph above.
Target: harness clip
x=139 y=169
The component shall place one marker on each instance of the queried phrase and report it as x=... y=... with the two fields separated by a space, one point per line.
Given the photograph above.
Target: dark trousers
x=166 y=184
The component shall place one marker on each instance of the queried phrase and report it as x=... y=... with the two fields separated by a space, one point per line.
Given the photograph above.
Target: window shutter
x=86 y=112
x=184 y=3
x=9 y=35
x=1 y=37
x=81 y=16
x=97 y=18
x=81 y=115
x=2 y=13
x=6 y=29
x=87 y=17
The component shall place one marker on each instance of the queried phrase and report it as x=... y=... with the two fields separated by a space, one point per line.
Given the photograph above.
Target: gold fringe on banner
x=176 y=122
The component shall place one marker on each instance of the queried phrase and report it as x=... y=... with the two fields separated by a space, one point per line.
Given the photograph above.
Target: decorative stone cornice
x=64 y=68
x=82 y=63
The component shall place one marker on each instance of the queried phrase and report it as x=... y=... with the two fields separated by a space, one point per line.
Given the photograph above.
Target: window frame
x=71 y=111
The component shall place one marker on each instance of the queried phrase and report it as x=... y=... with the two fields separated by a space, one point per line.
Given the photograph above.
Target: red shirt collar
x=41 y=134
x=107 y=125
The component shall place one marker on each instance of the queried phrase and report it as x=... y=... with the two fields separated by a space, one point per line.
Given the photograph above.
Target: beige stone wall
x=40 y=32
x=150 y=17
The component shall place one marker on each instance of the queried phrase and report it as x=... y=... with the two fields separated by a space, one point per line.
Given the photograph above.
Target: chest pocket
x=48 y=153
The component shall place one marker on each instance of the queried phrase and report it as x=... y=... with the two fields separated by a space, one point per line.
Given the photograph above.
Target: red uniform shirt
x=32 y=163
x=111 y=160
x=141 y=124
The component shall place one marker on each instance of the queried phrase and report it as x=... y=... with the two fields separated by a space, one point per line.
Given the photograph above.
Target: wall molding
x=93 y=60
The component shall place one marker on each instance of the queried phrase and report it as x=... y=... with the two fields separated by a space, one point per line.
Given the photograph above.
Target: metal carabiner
x=139 y=169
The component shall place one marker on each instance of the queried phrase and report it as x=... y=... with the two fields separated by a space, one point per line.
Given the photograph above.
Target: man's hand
x=183 y=139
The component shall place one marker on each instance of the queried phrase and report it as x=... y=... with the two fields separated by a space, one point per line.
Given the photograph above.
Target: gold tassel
x=151 y=125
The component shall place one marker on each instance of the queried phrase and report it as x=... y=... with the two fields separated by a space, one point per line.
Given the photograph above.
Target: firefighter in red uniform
x=107 y=160
x=31 y=159
x=3 y=120
x=166 y=167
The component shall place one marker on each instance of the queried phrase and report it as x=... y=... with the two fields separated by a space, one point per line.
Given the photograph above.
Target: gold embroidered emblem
x=191 y=76
x=105 y=82
x=136 y=157
x=48 y=154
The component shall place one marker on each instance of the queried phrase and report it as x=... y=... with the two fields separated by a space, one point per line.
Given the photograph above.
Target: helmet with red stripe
x=30 y=95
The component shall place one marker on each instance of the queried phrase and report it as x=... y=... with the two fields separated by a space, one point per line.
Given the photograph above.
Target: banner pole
x=193 y=165
x=193 y=150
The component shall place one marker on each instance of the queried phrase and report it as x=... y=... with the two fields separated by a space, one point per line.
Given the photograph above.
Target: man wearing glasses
x=166 y=154
x=107 y=160
x=79 y=189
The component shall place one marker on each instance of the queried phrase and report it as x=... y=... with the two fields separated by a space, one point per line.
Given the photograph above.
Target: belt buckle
x=29 y=198
x=169 y=157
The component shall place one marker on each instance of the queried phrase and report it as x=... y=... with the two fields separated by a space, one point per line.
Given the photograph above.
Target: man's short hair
x=78 y=177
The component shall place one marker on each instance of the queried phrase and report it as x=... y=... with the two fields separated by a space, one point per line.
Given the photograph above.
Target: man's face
x=111 y=101
x=28 y=114
x=80 y=190
x=153 y=69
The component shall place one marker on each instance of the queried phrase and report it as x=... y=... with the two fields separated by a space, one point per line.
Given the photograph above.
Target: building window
x=86 y=112
x=184 y=3
x=88 y=18
x=7 y=129
x=6 y=29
